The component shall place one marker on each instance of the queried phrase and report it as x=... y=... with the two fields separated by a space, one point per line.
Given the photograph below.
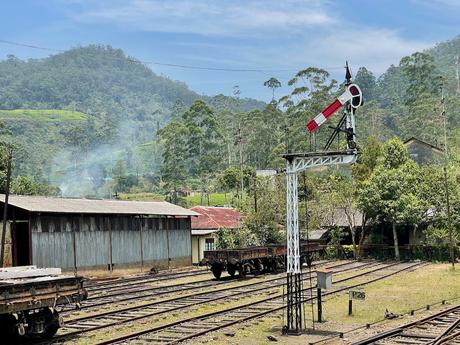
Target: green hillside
x=132 y=130
x=117 y=104
x=45 y=115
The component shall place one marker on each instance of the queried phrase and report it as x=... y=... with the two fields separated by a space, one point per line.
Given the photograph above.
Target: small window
x=209 y=244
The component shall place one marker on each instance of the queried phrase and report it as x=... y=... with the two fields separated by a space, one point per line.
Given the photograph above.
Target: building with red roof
x=209 y=220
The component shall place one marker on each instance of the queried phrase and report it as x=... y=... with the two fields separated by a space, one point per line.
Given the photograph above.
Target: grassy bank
x=43 y=115
x=398 y=294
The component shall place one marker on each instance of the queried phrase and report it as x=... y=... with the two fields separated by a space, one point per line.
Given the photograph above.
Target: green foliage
x=76 y=111
x=272 y=84
x=367 y=82
x=391 y=191
x=367 y=160
x=234 y=238
x=394 y=154
x=173 y=139
x=215 y=199
x=436 y=236
x=26 y=185
x=265 y=212
x=420 y=72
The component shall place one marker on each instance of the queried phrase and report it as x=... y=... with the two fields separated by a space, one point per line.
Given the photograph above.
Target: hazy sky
x=278 y=36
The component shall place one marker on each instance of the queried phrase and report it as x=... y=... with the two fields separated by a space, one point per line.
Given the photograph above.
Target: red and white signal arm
x=352 y=93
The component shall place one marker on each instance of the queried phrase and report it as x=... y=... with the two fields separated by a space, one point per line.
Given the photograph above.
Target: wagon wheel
x=258 y=267
x=231 y=269
x=52 y=324
x=216 y=270
x=242 y=271
x=8 y=328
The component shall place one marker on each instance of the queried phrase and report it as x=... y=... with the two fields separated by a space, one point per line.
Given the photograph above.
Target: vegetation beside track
x=399 y=294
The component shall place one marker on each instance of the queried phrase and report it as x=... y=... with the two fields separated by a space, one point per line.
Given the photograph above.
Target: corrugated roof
x=70 y=205
x=202 y=232
x=339 y=218
x=412 y=140
x=316 y=235
x=216 y=218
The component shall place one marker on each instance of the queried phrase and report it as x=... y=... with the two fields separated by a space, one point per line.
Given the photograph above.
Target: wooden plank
x=17 y=268
x=29 y=273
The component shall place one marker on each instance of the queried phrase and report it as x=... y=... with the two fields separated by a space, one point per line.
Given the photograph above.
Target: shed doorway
x=21 y=244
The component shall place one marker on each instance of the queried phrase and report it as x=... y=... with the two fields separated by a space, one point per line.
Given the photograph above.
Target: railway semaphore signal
x=352 y=94
x=350 y=100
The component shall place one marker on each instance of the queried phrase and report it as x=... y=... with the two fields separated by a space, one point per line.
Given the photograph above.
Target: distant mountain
x=121 y=101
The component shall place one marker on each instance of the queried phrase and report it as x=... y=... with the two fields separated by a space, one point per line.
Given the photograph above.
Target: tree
x=347 y=201
x=361 y=172
x=26 y=185
x=267 y=223
x=391 y=192
x=173 y=139
x=366 y=81
x=203 y=139
x=312 y=89
x=420 y=72
x=272 y=84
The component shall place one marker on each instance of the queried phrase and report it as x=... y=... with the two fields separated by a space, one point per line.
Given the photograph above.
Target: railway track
x=147 y=291
x=84 y=324
x=124 y=283
x=186 y=329
x=79 y=326
x=440 y=328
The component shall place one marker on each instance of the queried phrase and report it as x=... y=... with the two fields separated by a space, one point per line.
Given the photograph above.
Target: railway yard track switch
x=350 y=99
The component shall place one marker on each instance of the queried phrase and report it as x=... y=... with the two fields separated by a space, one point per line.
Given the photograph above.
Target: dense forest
x=120 y=103
x=94 y=122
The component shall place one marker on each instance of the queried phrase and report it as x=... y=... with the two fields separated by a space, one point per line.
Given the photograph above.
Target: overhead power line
x=192 y=67
x=32 y=46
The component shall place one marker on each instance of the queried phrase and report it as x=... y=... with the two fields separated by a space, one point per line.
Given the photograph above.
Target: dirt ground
x=428 y=285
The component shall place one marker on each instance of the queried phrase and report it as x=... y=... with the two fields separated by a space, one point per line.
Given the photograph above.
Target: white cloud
x=207 y=17
x=281 y=34
x=376 y=49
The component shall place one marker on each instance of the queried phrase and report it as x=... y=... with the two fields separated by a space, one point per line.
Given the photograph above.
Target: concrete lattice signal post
x=295 y=163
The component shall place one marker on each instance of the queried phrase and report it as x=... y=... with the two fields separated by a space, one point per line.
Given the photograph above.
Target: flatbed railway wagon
x=30 y=297
x=255 y=260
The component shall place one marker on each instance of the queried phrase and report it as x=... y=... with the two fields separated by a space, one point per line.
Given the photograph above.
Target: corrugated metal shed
x=216 y=218
x=92 y=206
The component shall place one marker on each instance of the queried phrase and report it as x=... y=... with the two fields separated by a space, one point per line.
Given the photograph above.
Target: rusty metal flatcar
x=254 y=260
x=29 y=301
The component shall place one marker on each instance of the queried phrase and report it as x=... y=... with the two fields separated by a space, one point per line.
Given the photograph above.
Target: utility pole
x=5 y=206
x=456 y=61
x=255 y=193
x=239 y=140
x=444 y=118
x=449 y=220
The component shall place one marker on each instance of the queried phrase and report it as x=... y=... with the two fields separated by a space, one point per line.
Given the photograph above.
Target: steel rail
x=444 y=335
x=121 y=282
x=72 y=334
x=150 y=292
x=399 y=330
x=270 y=299
x=449 y=337
x=124 y=290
